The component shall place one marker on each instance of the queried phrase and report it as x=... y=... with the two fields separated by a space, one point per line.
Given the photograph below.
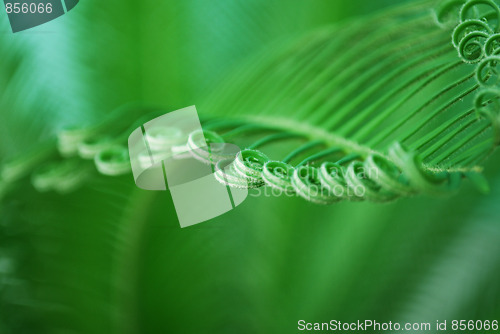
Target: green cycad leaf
x=390 y=96
x=377 y=110
x=75 y=79
x=370 y=111
x=265 y=268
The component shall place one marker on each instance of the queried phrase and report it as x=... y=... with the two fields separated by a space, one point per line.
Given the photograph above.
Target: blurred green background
x=110 y=258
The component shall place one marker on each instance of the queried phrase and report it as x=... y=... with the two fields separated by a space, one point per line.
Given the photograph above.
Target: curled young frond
x=225 y=173
x=207 y=146
x=161 y=137
x=332 y=176
x=278 y=175
x=477 y=40
x=71 y=139
x=88 y=148
x=376 y=177
x=467 y=27
x=492 y=45
x=307 y=184
x=470 y=49
x=486 y=10
x=487 y=72
x=250 y=164
x=389 y=175
x=62 y=176
x=475 y=33
x=420 y=179
x=113 y=161
x=370 y=189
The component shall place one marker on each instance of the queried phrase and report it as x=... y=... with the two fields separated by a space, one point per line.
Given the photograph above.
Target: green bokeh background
x=110 y=258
